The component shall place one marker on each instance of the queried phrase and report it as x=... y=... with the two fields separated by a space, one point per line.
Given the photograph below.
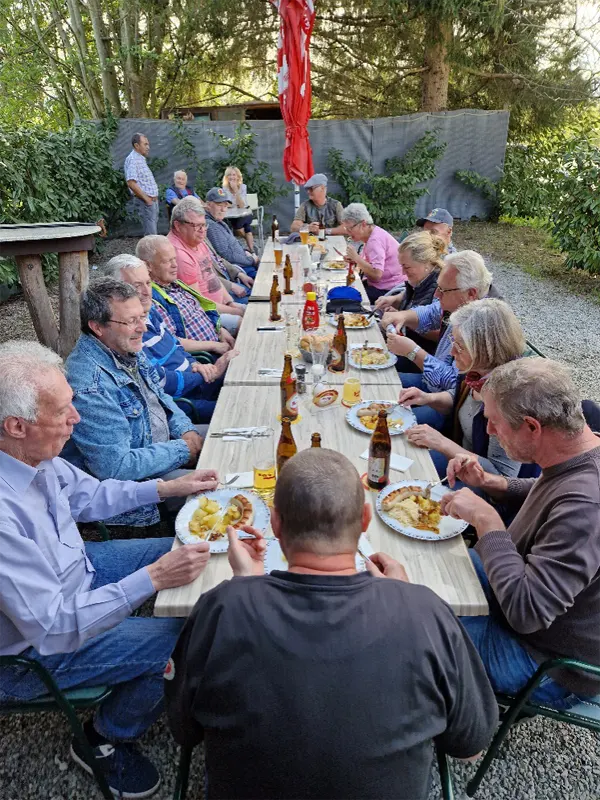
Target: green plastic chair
x=58 y=700
x=183 y=774
x=583 y=715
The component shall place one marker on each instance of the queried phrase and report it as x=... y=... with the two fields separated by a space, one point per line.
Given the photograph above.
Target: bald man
x=320 y=681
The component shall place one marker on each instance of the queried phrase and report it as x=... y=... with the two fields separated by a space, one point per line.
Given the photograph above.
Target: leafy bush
x=240 y=152
x=576 y=221
x=391 y=197
x=58 y=177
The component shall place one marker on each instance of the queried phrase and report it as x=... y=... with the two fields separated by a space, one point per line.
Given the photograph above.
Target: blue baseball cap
x=437 y=215
x=218 y=195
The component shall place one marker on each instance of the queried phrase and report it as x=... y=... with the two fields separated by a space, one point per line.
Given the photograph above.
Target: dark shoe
x=129 y=774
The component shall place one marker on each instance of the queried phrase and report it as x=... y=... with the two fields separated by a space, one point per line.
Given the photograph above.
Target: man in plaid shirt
x=141 y=183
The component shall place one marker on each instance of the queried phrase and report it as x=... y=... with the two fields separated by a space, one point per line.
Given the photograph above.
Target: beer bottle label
x=376 y=471
x=291 y=405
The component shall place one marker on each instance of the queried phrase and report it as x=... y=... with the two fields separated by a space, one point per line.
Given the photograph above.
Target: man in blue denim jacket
x=130 y=429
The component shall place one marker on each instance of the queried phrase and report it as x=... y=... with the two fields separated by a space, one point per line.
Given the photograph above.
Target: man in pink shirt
x=379 y=259
x=194 y=261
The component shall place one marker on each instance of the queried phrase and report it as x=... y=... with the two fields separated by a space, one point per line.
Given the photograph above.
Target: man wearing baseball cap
x=440 y=222
x=319 y=209
x=220 y=234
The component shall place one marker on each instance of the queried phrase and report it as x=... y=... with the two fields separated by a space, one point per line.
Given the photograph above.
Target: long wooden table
x=267 y=268
x=259 y=349
x=443 y=566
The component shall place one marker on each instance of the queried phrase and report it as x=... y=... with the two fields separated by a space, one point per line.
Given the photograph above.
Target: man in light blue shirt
x=68 y=604
x=142 y=184
x=463 y=279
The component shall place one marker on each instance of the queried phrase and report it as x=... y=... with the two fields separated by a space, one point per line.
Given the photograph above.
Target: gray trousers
x=148 y=215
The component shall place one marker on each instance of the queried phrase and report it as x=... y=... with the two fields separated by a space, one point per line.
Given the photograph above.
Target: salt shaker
x=300 y=370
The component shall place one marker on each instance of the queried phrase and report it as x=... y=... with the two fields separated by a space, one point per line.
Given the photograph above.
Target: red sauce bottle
x=310 y=315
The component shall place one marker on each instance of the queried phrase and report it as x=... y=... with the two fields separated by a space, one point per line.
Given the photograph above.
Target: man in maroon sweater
x=542 y=575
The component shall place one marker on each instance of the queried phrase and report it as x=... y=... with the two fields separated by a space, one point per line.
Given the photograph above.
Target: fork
x=429 y=487
x=230 y=481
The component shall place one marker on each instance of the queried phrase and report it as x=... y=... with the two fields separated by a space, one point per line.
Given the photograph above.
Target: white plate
x=332 y=321
x=355 y=362
x=274 y=558
x=407 y=416
x=222 y=496
x=327 y=266
x=449 y=527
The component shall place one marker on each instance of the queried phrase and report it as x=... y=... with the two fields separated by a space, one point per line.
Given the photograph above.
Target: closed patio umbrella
x=293 y=78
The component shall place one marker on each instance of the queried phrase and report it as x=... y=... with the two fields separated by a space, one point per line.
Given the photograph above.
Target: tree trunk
x=88 y=78
x=131 y=77
x=157 y=18
x=110 y=87
x=438 y=34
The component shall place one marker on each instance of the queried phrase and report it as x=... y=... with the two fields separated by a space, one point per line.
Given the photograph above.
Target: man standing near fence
x=142 y=184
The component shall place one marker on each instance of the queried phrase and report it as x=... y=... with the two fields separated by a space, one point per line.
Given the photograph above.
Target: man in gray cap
x=319 y=209
x=440 y=222
x=220 y=235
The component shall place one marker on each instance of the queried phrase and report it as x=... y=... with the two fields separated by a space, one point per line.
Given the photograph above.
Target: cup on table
x=351 y=393
x=263 y=462
x=304 y=234
x=278 y=252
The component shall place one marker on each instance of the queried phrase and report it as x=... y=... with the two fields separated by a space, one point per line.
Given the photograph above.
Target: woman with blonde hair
x=485 y=334
x=233 y=183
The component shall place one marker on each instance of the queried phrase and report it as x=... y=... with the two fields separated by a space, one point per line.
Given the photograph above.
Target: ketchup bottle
x=310 y=315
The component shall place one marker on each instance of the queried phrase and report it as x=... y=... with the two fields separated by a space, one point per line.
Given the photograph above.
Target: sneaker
x=129 y=774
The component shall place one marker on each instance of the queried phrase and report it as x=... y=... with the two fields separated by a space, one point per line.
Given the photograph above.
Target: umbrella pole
x=296 y=197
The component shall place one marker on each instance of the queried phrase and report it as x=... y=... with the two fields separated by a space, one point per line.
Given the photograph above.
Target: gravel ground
x=541 y=760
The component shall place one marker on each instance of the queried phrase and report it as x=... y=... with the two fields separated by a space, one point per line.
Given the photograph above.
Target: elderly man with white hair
x=178 y=190
x=378 y=260
x=66 y=603
x=463 y=279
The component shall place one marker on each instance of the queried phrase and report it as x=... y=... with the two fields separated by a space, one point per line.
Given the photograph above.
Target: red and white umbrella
x=293 y=78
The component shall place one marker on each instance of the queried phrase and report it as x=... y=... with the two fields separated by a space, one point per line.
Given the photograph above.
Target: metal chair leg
x=183 y=773
x=445 y=774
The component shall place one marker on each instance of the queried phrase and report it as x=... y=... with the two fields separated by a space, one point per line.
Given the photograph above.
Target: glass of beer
x=278 y=252
x=351 y=394
x=304 y=234
x=263 y=462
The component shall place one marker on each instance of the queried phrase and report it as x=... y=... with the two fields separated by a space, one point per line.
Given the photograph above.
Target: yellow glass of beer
x=351 y=392
x=263 y=463
x=304 y=234
x=278 y=252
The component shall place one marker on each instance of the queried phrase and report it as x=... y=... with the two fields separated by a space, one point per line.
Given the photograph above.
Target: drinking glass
x=304 y=234
x=351 y=394
x=278 y=252
x=263 y=462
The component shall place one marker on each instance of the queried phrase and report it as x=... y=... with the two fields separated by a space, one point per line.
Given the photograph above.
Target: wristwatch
x=327 y=231
x=413 y=353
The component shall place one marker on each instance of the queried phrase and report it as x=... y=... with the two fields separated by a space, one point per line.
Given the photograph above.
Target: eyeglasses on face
x=439 y=290
x=133 y=322
x=458 y=347
x=197 y=226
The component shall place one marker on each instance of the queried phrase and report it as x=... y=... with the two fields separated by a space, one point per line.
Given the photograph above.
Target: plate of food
x=370 y=357
x=363 y=417
x=352 y=320
x=205 y=517
x=404 y=507
x=334 y=265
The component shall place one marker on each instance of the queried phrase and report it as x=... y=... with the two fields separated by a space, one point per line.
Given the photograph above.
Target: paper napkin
x=399 y=463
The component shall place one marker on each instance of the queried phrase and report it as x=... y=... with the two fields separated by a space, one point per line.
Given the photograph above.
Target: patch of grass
x=526 y=247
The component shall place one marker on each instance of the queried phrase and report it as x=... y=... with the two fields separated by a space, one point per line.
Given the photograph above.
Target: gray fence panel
x=475 y=140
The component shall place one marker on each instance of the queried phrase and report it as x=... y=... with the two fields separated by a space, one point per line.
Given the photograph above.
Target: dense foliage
x=391 y=197
x=64 y=59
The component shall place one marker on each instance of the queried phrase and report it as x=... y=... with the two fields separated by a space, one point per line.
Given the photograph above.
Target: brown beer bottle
x=287 y=275
x=315 y=440
x=339 y=347
x=286 y=447
x=350 y=277
x=380 y=451
x=275 y=299
x=275 y=229
x=289 y=394
x=321 y=230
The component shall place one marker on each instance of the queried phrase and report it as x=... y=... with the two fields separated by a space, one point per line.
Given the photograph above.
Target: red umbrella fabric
x=293 y=78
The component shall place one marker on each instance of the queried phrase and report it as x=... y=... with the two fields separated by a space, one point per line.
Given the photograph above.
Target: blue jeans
x=131 y=657
x=424 y=414
x=507 y=663
x=250 y=271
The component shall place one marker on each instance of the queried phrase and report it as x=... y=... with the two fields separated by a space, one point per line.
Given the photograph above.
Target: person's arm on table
x=465 y=467
x=195 y=345
x=373 y=269
x=401 y=319
x=427 y=437
x=439 y=401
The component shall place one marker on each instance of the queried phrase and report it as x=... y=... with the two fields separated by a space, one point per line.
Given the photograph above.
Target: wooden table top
x=266 y=270
x=53 y=230
x=267 y=348
x=445 y=566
